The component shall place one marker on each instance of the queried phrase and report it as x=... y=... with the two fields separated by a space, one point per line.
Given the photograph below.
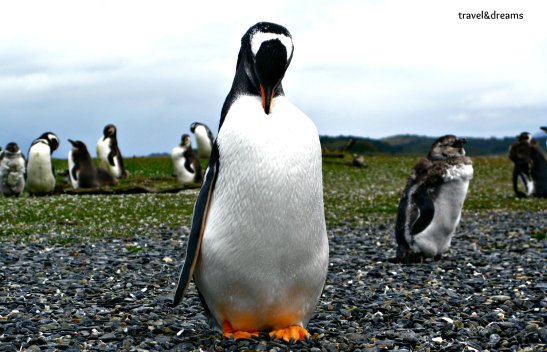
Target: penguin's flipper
x=425 y=209
x=74 y=172
x=111 y=157
x=199 y=220
x=188 y=161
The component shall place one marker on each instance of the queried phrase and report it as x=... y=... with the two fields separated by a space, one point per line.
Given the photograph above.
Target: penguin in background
x=431 y=203
x=530 y=166
x=82 y=171
x=204 y=139
x=108 y=153
x=519 y=154
x=258 y=248
x=12 y=171
x=40 y=172
x=186 y=164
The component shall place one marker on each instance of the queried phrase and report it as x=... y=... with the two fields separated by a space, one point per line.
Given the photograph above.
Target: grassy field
x=352 y=195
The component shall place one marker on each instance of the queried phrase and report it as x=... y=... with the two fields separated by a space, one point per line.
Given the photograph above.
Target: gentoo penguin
x=185 y=162
x=12 y=170
x=40 y=172
x=108 y=153
x=204 y=139
x=258 y=248
x=431 y=204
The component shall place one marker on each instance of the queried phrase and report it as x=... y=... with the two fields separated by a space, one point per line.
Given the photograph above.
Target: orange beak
x=267 y=97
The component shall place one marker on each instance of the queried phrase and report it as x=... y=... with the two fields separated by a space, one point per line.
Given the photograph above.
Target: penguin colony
x=259 y=255
x=37 y=174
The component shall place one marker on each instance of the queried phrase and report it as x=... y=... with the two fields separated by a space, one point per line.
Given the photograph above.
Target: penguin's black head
x=543 y=128
x=78 y=145
x=448 y=146
x=109 y=131
x=52 y=140
x=525 y=137
x=266 y=51
x=12 y=147
x=185 y=140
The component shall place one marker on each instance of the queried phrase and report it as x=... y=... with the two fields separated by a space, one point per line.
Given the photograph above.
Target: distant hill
x=418 y=145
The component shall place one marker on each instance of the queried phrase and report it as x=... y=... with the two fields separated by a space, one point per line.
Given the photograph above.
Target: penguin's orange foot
x=294 y=333
x=228 y=332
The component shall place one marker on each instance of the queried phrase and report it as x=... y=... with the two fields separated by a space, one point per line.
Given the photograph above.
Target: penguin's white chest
x=71 y=166
x=103 y=150
x=40 y=177
x=264 y=253
x=203 y=141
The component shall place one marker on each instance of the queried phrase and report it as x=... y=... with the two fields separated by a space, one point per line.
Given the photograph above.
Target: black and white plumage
x=530 y=166
x=82 y=170
x=204 y=139
x=40 y=172
x=109 y=154
x=186 y=164
x=430 y=207
x=12 y=171
x=258 y=247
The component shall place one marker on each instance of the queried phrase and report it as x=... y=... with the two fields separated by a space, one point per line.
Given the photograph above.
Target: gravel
x=487 y=293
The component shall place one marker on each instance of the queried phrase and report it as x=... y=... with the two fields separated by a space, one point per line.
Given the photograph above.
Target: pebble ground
x=487 y=293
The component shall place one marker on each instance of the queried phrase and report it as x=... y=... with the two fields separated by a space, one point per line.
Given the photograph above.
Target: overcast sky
x=364 y=68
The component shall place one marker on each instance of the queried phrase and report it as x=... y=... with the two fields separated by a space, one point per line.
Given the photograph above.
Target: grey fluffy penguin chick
x=12 y=171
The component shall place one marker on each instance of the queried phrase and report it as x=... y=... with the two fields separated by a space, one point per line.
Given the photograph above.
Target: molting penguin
x=12 y=171
x=40 y=172
x=186 y=164
x=204 y=139
x=108 y=153
x=430 y=206
x=258 y=247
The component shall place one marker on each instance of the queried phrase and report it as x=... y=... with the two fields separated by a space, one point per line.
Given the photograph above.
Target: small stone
x=500 y=298
x=494 y=340
x=108 y=337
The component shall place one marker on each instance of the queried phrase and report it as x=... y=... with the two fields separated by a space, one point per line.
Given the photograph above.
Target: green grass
x=352 y=195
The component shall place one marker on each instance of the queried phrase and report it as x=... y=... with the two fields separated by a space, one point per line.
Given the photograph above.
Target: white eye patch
x=261 y=37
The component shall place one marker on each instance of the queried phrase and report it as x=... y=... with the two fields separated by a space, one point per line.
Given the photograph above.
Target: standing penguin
x=12 y=170
x=186 y=164
x=81 y=169
x=108 y=153
x=40 y=172
x=519 y=154
x=258 y=248
x=204 y=139
x=430 y=206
